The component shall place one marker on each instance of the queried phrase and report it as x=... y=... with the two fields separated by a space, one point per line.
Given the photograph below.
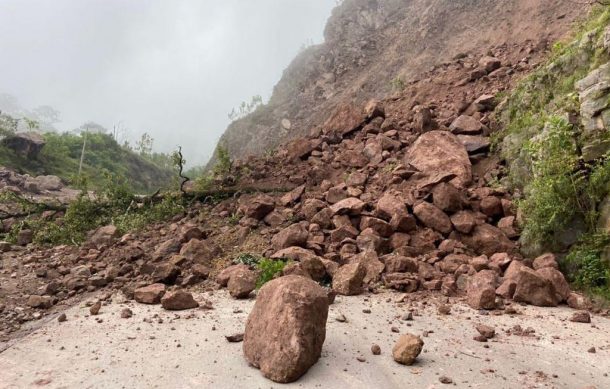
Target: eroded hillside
x=375 y=47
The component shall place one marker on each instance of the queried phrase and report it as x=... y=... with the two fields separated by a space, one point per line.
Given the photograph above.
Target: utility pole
x=82 y=153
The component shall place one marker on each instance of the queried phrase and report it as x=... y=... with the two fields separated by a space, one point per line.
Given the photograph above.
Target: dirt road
x=188 y=349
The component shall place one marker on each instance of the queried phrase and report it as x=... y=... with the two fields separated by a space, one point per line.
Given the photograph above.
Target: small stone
x=444 y=309
x=486 y=331
x=235 y=338
x=581 y=317
x=126 y=313
x=62 y=318
x=480 y=338
x=360 y=359
x=445 y=380
x=95 y=308
x=375 y=349
x=407 y=348
x=592 y=350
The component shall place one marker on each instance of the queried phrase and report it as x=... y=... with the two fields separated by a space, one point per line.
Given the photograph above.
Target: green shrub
x=114 y=205
x=589 y=270
x=269 y=269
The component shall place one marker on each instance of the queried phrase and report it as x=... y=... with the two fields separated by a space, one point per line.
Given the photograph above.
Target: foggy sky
x=173 y=68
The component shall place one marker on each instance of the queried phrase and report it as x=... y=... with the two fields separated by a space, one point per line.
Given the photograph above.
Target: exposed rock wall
x=369 y=43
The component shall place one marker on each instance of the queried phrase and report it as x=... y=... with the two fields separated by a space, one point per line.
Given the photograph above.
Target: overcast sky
x=173 y=68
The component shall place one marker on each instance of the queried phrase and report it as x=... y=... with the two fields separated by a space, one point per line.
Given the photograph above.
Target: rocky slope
x=374 y=47
x=396 y=193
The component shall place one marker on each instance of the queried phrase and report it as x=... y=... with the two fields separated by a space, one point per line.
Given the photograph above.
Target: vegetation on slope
x=544 y=143
x=143 y=170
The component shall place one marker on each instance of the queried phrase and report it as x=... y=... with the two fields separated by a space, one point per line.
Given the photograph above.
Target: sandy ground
x=188 y=349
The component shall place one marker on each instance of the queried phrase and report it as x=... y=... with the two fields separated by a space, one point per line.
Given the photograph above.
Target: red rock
x=389 y=205
x=545 y=260
x=292 y=197
x=381 y=227
x=42 y=302
x=404 y=282
x=447 y=197
x=403 y=222
x=351 y=206
x=507 y=225
x=286 y=329
x=433 y=217
x=486 y=331
x=178 y=300
x=577 y=301
x=294 y=235
x=242 y=282
x=466 y=125
x=491 y=206
x=200 y=251
x=441 y=151
x=507 y=288
x=581 y=317
x=150 y=294
x=348 y=279
x=257 y=207
x=407 y=348
x=558 y=280
x=399 y=264
x=165 y=273
x=487 y=239
x=373 y=266
x=463 y=221
x=534 y=289
x=104 y=236
x=225 y=275
x=481 y=290
x=344 y=120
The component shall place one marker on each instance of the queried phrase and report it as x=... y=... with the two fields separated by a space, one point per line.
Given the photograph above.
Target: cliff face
x=373 y=48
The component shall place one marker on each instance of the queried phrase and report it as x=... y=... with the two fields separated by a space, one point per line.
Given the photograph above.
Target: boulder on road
x=287 y=327
x=407 y=348
x=178 y=300
x=534 y=289
x=348 y=279
x=150 y=294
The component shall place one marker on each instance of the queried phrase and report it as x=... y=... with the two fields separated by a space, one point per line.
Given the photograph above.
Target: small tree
x=144 y=145
x=245 y=108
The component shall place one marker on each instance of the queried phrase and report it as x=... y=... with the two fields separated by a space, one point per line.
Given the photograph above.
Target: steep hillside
x=59 y=155
x=374 y=47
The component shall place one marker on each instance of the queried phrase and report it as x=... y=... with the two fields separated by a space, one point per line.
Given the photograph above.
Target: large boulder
x=348 y=279
x=441 y=151
x=294 y=235
x=178 y=300
x=150 y=294
x=242 y=282
x=287 y=327
x=52 y=183
x=345 y=119
x=257 y=207
x=488 y=240
x=26 y=144
x=481 y=290
x=433 y=217
x=535 y=289
x=562 y=288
